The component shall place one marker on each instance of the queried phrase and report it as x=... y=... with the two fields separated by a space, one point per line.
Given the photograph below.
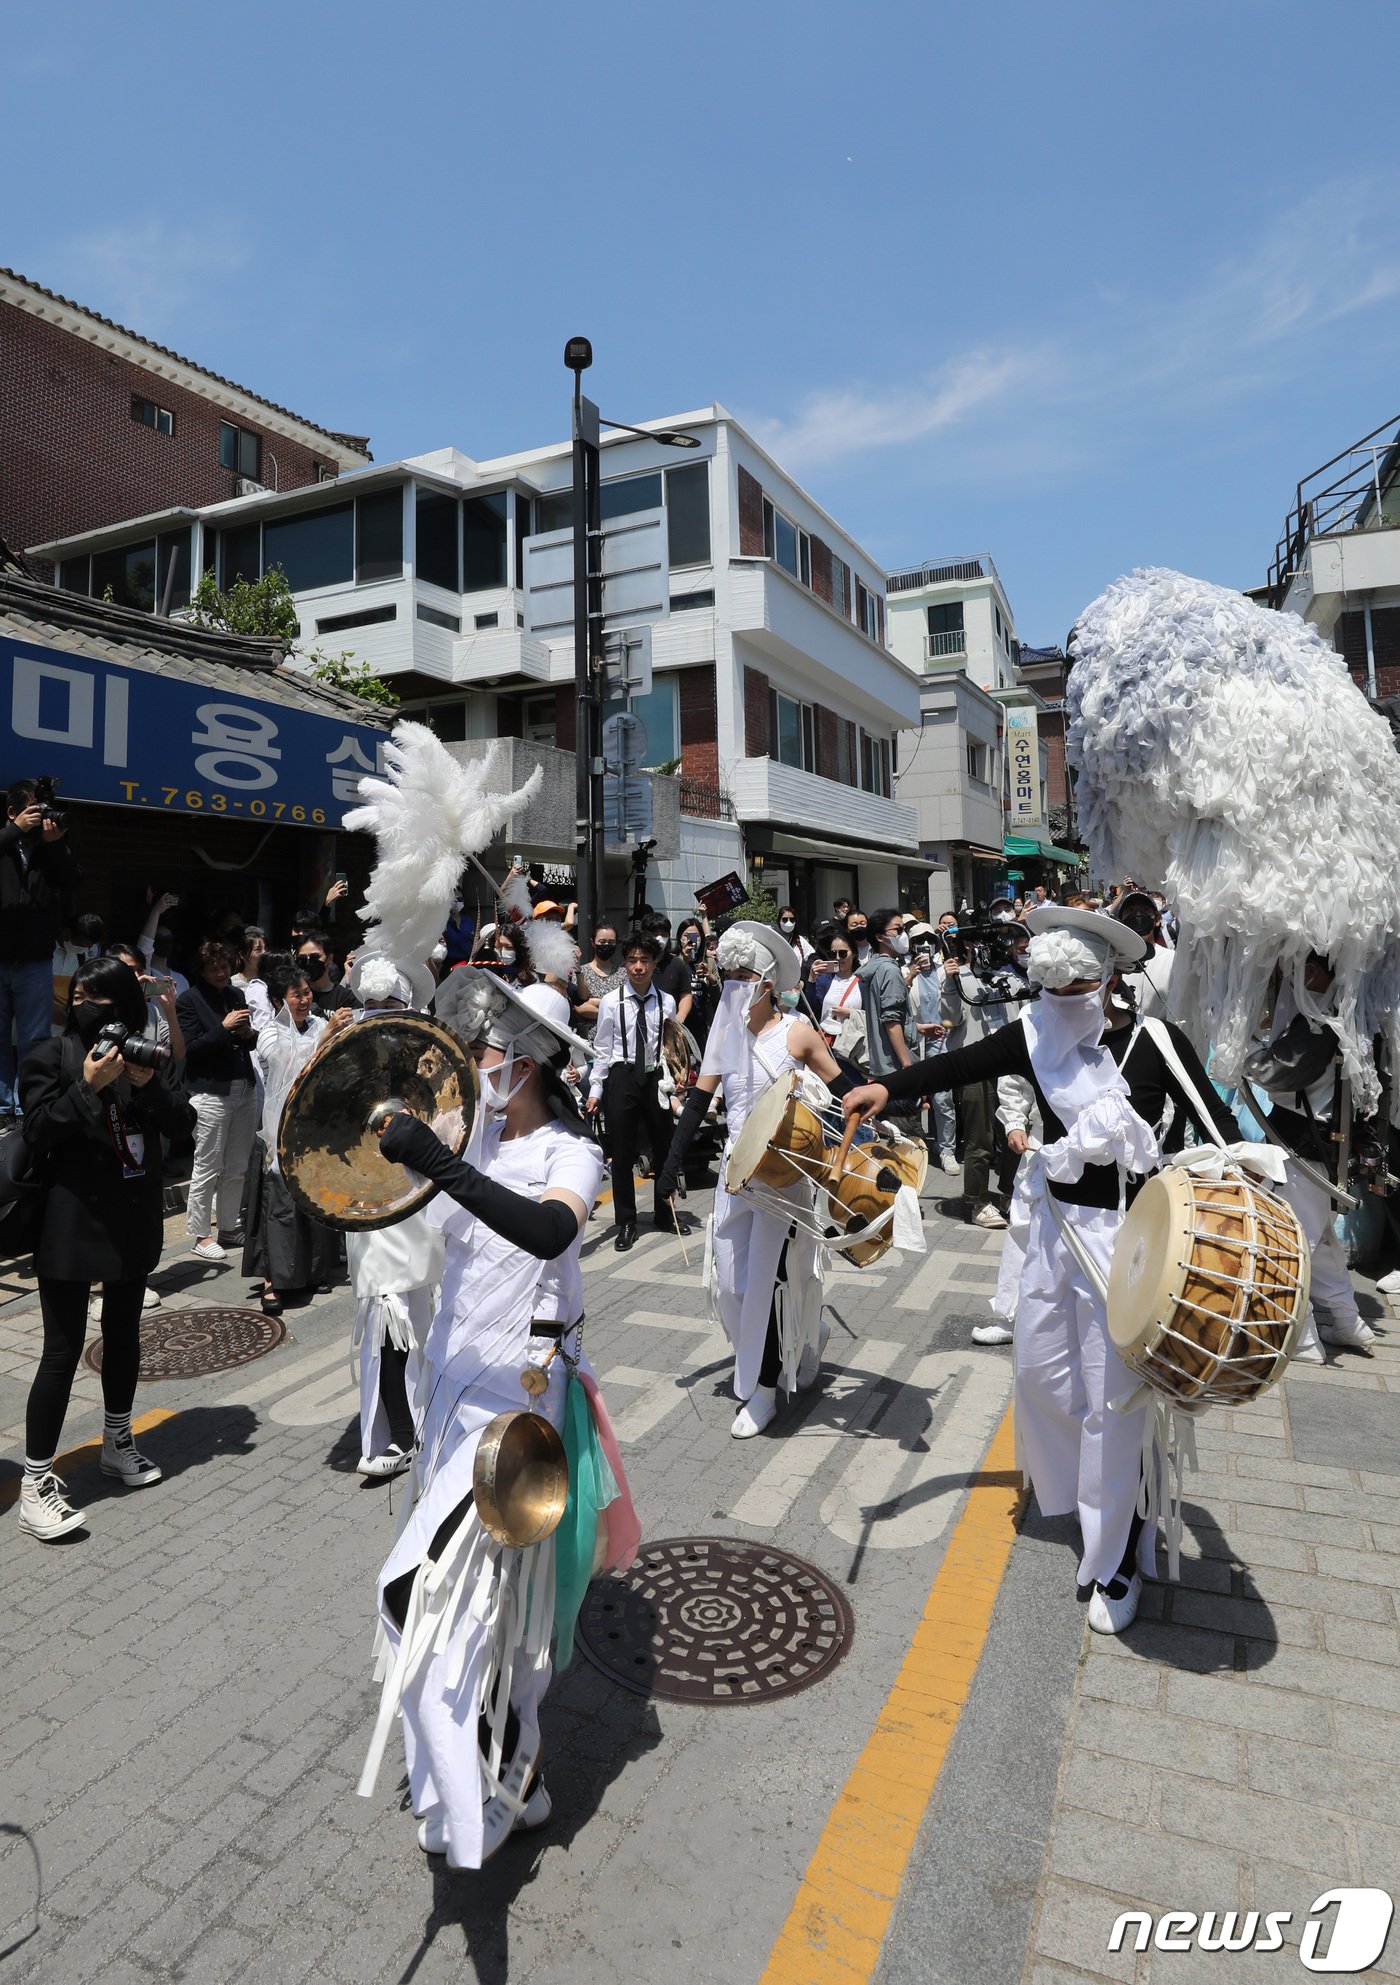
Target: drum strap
x=1167 y=1049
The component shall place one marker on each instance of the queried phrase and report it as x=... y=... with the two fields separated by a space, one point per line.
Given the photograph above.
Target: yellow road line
x=89 y=1451
x=837 y=1923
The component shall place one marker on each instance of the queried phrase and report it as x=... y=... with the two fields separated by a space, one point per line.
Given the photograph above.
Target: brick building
x=101 y=424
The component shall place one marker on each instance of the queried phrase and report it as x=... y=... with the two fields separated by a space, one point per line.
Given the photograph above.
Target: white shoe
x=123 y=1460
x=378 y=1467
x=992 y=1333
x=151 y=1300
x=810 y=1363
x=537 y=1811
x=1351 y=1331
x=756 y=1413
x=988 y=1216
x=1389 y=1285
x=209 y=1250
x=949 y=1162
x=1309 y=1354
x=432 y=1835
x=1110 y=1615
x=44 y=1509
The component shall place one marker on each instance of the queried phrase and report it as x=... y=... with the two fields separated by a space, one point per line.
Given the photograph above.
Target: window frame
x=806 y=725
x=162 y=420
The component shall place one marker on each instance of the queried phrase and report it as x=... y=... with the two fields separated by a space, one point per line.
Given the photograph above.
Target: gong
x=328 y=1141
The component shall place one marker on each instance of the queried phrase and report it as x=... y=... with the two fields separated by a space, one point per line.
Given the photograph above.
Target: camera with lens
x=988 y=949
x=45 y=793
x=134 y=1048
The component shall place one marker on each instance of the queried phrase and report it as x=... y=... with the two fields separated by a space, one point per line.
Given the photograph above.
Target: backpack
x=21 y=1197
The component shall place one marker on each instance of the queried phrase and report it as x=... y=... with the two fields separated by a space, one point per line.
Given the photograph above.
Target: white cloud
x=153 y=277
x=852 y=421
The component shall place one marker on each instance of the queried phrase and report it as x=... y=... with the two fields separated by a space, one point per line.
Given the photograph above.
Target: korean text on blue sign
x=136 y=737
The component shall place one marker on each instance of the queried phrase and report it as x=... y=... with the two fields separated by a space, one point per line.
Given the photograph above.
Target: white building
x=775 y=698
x=953 y=613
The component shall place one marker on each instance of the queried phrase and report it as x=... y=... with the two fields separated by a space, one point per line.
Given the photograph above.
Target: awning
x=1045 y=851
x=845 y=853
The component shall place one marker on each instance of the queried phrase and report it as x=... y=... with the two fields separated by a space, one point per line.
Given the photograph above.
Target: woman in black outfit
x=94 y=1123
x=219 y=1037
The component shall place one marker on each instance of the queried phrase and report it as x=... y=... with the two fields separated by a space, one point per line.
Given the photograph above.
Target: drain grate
x=716 y=1620
x=193 y=1343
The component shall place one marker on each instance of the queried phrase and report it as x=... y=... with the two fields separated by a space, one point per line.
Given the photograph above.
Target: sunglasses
x=839 y=954
x=312 y=958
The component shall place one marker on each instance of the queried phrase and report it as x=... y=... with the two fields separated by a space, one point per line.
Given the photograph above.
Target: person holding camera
x=218 y=1033
x=38 y=879
x=985 y=983
x=96 y=1101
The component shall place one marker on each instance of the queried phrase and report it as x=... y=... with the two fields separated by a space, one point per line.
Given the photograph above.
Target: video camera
x=134 y=1048
x=988 y=950
x=45 y=793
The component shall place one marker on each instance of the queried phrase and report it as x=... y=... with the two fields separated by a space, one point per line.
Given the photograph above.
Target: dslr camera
x=987 y=949
x=45 y=793
x=134 y=1048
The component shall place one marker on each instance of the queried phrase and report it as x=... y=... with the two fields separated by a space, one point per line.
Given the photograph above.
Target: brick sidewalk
x=1239 y=1747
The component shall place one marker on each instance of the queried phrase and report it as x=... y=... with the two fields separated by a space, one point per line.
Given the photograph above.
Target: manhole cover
x=191 y=1343
x=716 y=1620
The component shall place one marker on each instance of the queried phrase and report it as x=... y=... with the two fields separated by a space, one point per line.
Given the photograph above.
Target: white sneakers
x=988 y=1216
x=1389 y=1285
x=949 y=1162
x=150 y=1301
x=44 y=1509
x=1108 y=1614
x=755 y=1414
x=992 y=1333
x=208 y=1249
x=535 y=1813
x=1350 y=1331
x=123 y=1460
x=378 y=1467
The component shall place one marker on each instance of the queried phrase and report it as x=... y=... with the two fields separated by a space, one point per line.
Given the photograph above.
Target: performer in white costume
x=1019 y=1118
x=469 y=1623
x=1099 y=1093
x=766 y=1270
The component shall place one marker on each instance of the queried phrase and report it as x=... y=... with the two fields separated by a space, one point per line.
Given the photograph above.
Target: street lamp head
x=672 y=438
x=578 y=355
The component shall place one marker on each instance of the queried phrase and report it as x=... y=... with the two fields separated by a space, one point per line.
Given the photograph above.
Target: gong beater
x=328 y=1142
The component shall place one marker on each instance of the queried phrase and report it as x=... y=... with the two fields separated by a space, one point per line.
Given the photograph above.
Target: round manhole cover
x=716 y=1620
x=192 y=1343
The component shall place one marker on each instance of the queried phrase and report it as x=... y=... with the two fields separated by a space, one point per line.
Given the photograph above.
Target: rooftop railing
x=943 y=572
x=1355 y=491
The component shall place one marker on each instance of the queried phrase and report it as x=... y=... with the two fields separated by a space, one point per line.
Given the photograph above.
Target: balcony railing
x=952 y=642
x=942 y=572
x=1352 y=492
x=705 y=800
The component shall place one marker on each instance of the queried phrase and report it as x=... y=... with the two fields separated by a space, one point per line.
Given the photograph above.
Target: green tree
x=343 y=671
x=759 y=907
x=250 y=606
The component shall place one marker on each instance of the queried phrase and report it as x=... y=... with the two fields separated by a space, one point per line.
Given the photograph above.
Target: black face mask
x=604 y=950
x=89 y=1020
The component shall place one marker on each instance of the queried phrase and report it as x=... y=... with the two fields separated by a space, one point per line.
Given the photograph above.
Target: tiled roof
x=30 y=611
x=358 y=442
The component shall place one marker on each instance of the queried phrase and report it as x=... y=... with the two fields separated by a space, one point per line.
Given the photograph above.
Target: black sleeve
x=1001 y=1053
x=1221 y=1114
x=544 y=1229
x=58 y=1108
x=697 y=1108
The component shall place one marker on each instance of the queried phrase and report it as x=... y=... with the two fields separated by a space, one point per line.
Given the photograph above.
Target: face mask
x=492 y=1094
x=786 y=926
x=788 y=1001
x=89 y=1020
x=506 y=955
x=899 y=944
x=604 y=950
x=860 y=936
x=1075 y=1020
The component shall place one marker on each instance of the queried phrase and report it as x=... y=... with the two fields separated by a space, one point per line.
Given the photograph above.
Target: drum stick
x=843 y=1150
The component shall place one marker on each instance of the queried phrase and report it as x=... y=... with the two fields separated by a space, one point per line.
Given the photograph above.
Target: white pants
x=1332 y=1292
x=1080 y=1456
x=225 y=1127
x=748 y=1245
x=406 y=1319
x=1013 y=1250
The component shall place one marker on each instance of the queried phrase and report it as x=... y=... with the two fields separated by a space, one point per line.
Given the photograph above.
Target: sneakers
x=151 y=1300
x=537 y=1811
x=1114 y=1606
x=992 y=1333
x=122 y=1460
x=232 y=1237
x=379 y=1467
x=208 y=1249
x=1389 y=1285
x=44 y=1509
x=988 y=1216
x=756 y=1413
x=1350 y=1331
x=949 y=1162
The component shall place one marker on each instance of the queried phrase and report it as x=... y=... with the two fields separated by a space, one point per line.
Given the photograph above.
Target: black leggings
x=770 y=1371
x=393 y=1395
x=64 y=1306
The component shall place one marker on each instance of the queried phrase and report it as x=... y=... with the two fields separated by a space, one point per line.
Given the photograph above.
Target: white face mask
x=899 y=944
x=786 y=926
x=505 y=955
x=1072 y=1020
x=492 y=1095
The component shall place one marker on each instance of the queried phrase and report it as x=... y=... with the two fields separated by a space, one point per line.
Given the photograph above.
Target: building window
x=791 y=732
x=484 y=542
x=554 y=512
x=841 y=587
x=522 y=531
x=537 y=719
x=875 y=764
x=379 y=535
x=867 y=611
x=366 y=617
x=660 y=719
x=780 y=537
x=977 y=761
x=688 y=514
x=313 y=547
x=629 y=494
x=128 y=572
x=240 y=450
x=451 y=621
x=996 y=610
x=481 y=621
x=150 y=415
x=240 y=555
x=438 y=557
x=75 y=574
x=692 y=602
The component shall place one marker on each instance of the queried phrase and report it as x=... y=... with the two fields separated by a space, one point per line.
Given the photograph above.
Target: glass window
x=75 y=574
x=630 y=494
x=336 y=623
x=130 y=572
x=150 y=415
x=447 y=720
x=451 y=621
x=657 y=711
x=688 y=514
x=522 y=531
x=790 y=738
x=240 y=554
x=554 y=512
x=173 y=548
x=785 y=543
x=537 y=719
x=316 y=548
x=484 y=542
x=946 y=619
x=437 y=538
x=379 y=535
x=228 y=445
x=481 y=621
x=804 y=558
x=767 y=528
x=249 y=455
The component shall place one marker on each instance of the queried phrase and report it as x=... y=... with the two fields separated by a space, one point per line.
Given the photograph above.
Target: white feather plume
x=1223 y=751
x=427 y=816
x=552 y=950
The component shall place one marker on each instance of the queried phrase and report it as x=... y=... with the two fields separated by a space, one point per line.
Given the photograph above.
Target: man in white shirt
x=627 y=1058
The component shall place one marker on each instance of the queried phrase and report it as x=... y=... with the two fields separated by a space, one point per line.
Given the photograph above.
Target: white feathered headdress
x=427 y=816
x=551 y=950
x=1223 y=748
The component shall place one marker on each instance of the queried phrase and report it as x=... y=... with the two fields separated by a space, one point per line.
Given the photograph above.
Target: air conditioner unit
x=247 y=487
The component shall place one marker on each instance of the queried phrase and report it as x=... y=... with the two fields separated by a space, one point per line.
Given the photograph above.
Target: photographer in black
x=983 y=987
x=38 y=880
x=96 y=1101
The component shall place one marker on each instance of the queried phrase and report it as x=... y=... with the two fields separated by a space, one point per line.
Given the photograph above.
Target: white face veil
x=730 y=1048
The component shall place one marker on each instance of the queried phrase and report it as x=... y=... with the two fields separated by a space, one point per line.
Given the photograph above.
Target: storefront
x=195 y=764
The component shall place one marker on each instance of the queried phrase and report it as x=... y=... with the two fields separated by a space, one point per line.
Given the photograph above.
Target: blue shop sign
x=138 y=737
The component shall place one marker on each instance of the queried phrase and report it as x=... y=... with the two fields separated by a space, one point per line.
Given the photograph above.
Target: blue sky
x=1088 y=286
